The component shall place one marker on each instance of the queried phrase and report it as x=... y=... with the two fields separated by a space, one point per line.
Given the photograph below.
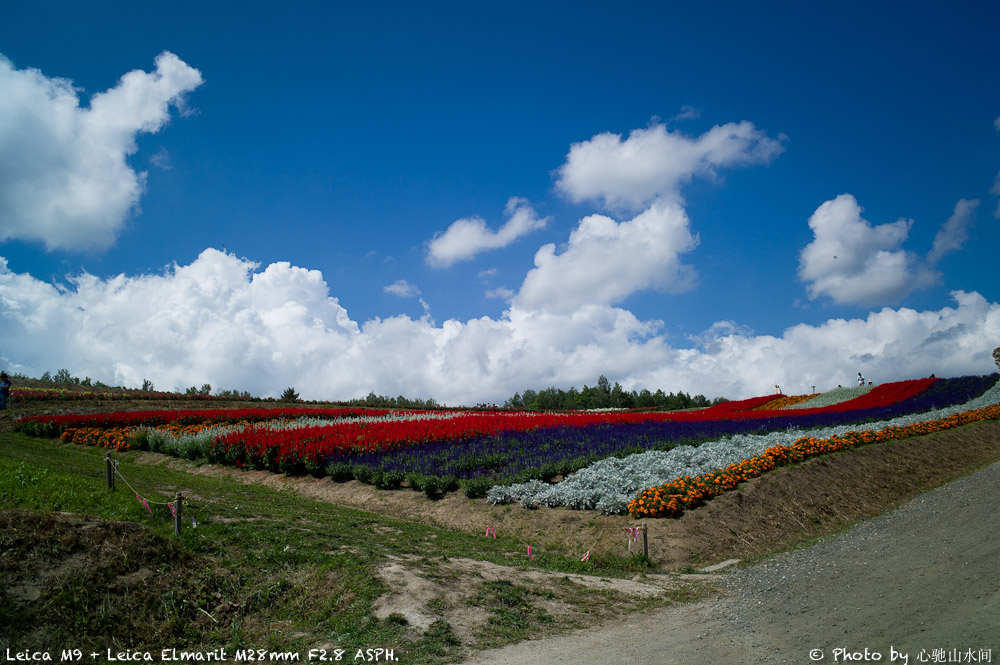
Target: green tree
x=645 y=398
x=996 y=356
x=289 y=395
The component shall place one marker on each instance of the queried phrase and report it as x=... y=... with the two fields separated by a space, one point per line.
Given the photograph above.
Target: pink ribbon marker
x=171 y=507
x=490 y=531
x=633 y=536
x=586 y=557
x=530 y=554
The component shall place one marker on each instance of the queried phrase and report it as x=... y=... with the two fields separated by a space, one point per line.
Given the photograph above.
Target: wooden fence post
x=178 y=507
x=645 y=542
x=110 y=466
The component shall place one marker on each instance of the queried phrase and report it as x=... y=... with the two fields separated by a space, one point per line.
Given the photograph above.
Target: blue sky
x=457 y=201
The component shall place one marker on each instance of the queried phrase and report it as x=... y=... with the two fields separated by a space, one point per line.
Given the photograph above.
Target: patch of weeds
x=437 y=605
x=512 y=616
x=397 y=619
x=269 y=595
x=439 y=639
x=26 y=475
x=622 y=565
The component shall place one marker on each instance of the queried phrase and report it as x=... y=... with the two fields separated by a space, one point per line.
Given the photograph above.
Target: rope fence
x=176 y=506
x=635 y=534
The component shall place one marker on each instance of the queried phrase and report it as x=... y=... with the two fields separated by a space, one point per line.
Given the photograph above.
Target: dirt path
x=921 y=578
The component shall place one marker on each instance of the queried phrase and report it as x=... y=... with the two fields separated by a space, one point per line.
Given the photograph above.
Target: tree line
x=606 y=396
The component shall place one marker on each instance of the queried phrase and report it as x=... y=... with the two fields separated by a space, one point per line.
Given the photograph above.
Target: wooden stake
x=110 y=466
x=178 y=505
x=645 y=542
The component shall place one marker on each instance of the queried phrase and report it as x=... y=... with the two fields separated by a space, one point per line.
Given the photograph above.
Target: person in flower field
x=4 y=390
x=861 y=379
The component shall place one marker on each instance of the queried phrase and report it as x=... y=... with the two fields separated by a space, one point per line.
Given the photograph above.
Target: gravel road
x=920 y=584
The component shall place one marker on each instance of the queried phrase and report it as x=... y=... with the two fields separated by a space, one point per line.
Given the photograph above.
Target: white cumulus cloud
x=470 y=236
x=225 y=321
x=654 y=162
x=64 y=175
x=853 y=262
x=606 y=261
x=888 y=345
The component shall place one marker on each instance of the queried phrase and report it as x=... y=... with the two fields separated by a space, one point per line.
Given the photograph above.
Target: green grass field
x=262 y=569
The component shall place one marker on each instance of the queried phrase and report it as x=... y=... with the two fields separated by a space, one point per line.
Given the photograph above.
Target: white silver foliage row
x=830 y=397
x=189 y=446
x=609 y=484
x=299 y=423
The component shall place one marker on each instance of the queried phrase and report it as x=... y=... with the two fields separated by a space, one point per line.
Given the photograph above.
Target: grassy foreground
x=84 y=567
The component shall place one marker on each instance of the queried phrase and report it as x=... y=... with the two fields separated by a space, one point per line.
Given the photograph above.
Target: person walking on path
x=4 y=390
x=861 y=379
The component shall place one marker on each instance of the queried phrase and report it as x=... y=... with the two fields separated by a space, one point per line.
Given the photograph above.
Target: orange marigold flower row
x=782 y=402
x=112 y=438
x=673 y=498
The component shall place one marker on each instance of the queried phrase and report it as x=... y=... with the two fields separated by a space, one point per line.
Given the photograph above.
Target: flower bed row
x=309 y=450
x=63 y=394
x=53 y=426
x=783 y=401
x=673 y=498
x=609 y=484
x=121 y=439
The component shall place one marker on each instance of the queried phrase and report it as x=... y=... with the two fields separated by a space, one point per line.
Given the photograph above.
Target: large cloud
x=64 y=178
x=469 y=236
x=224 y=321
x=654 y=162
x=606 y=261
x=856 y=263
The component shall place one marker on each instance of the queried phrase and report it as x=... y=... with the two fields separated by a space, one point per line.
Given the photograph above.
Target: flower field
x=672 y=498
x=610 y=484
x=649 y=464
